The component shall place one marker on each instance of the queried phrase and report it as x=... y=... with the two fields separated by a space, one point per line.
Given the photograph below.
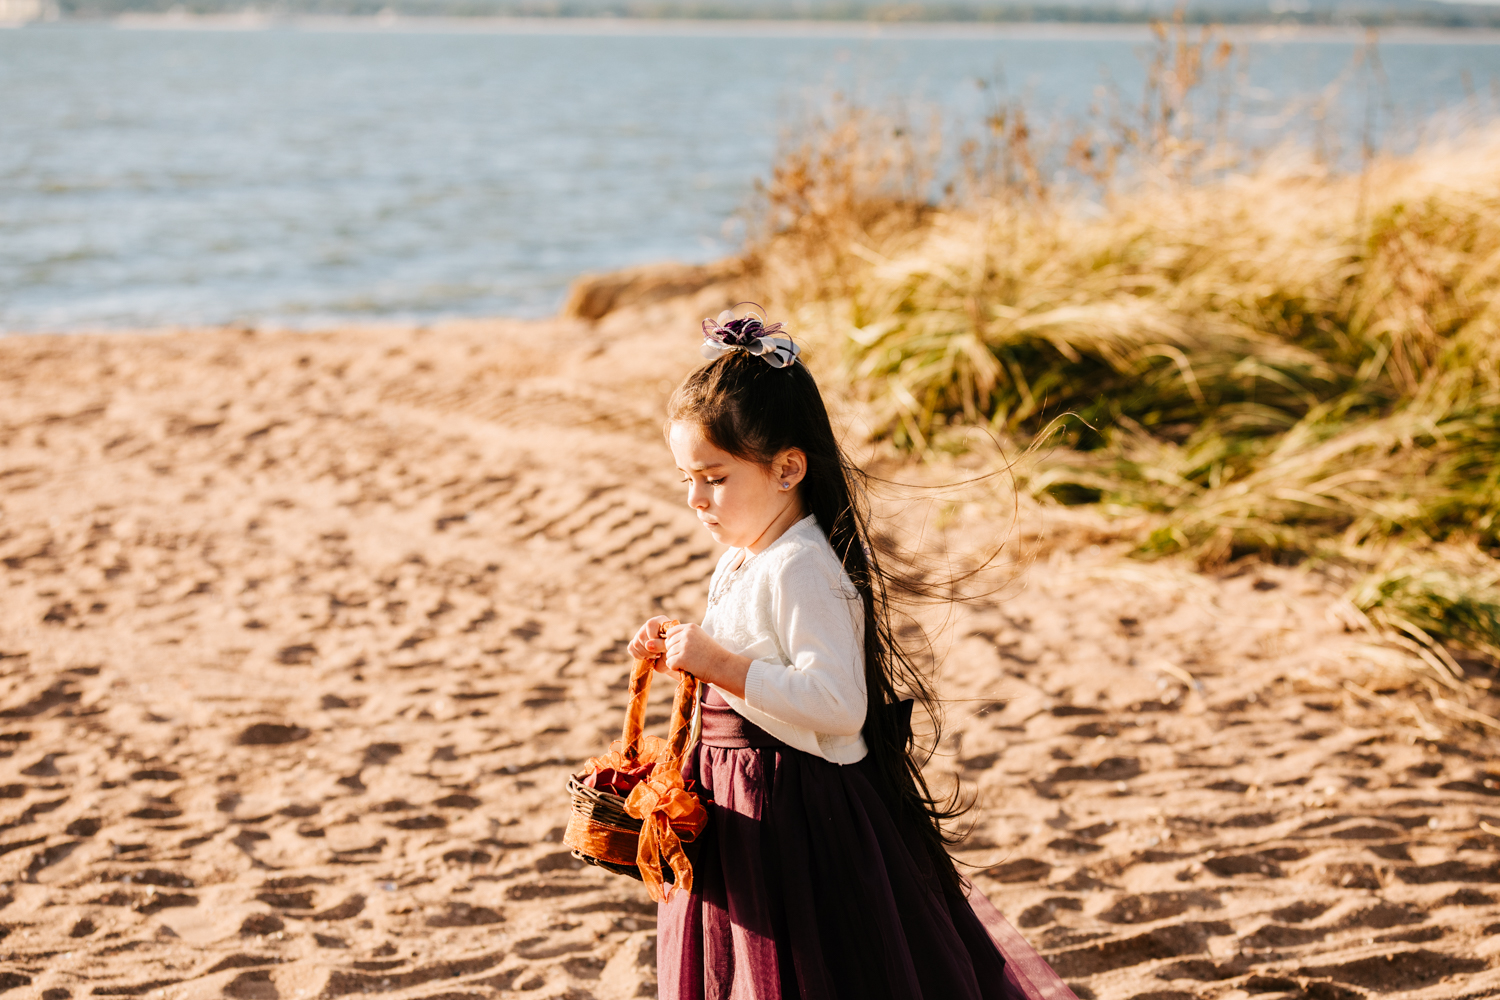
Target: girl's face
x=737 y=501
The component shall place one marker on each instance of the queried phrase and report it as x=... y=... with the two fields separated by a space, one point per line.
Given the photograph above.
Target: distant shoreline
x=788 y=28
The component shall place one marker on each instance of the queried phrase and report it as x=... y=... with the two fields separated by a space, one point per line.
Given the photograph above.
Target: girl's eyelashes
x=715 y=482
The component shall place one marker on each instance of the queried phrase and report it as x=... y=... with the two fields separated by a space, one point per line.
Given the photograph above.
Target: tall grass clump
x=1256 y=356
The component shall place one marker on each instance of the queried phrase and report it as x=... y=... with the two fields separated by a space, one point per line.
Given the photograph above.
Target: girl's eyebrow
x=701 y=467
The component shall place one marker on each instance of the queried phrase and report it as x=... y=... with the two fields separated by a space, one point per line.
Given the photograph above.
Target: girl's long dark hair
x=754 y=411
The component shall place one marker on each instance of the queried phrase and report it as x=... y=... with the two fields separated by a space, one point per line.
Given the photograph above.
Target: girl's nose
x=697 y=497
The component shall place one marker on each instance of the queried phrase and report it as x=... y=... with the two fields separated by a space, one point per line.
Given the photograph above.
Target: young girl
x=822 y=873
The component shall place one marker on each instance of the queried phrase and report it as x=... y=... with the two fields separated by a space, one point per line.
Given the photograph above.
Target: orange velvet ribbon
x=669 y=814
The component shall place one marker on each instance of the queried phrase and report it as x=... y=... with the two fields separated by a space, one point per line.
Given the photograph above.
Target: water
x=153 y=177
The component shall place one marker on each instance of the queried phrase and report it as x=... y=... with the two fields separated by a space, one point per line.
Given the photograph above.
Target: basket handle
x=684 y=707
x=684 y=712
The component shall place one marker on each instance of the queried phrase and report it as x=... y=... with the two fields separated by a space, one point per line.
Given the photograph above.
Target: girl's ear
x=790 y=467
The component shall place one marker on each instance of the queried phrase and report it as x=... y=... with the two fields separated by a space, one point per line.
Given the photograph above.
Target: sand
x=302 y=633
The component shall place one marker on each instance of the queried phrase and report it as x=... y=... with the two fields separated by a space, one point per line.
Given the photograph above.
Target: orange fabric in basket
x=618 y=780
x=654 y=750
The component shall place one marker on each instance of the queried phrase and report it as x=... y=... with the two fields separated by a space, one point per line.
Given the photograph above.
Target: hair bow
x=750 y=334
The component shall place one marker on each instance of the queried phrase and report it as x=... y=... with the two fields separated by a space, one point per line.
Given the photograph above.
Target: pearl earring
x=786 y=486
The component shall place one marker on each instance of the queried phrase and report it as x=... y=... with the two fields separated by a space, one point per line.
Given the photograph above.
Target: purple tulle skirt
x=805 y=887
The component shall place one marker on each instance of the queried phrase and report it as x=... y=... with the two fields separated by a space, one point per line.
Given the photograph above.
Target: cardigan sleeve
x=819 y=625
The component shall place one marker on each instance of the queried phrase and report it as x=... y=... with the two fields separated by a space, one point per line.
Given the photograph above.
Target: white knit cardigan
x=793 y=610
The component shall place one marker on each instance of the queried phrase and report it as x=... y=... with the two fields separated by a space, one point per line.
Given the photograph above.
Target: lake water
x=318 y=173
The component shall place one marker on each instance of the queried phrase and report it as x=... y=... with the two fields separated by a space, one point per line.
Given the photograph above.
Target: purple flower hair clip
x=750 y=334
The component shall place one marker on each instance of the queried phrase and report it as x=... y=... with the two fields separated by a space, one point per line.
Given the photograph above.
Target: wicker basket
x=599 y=830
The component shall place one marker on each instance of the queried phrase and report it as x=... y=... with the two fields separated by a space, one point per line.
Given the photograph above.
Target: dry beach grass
x=1229 y=355
x=302 y=634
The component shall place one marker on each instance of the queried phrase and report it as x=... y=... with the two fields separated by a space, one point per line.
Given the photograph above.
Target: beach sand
x=302 y=634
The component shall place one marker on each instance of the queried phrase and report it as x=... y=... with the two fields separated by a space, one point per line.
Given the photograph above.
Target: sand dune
x=302 y=633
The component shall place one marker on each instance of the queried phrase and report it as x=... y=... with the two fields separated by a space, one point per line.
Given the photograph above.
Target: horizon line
x=389 y=21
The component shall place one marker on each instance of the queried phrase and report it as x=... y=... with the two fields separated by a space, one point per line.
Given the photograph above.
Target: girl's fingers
x=646 y=643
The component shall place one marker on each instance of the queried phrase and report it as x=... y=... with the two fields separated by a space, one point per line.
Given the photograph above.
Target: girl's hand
x=691 y=649
x=646 y=644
